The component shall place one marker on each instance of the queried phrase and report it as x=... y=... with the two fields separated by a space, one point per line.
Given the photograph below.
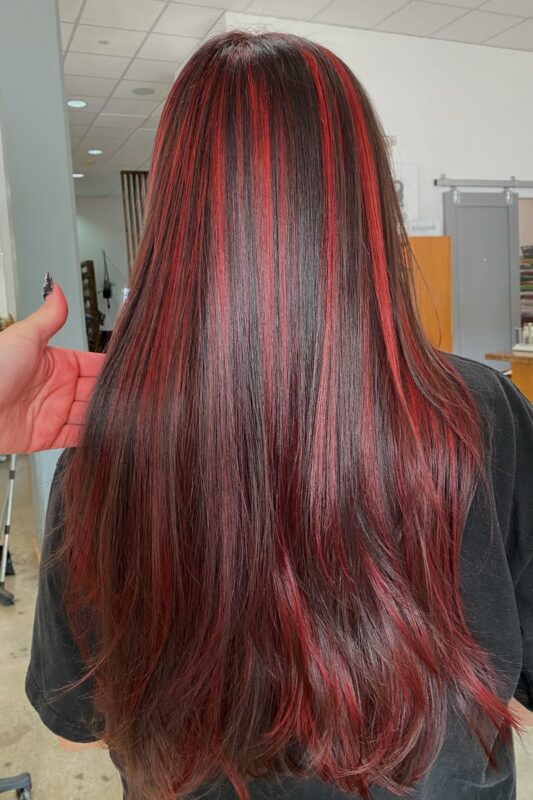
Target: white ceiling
x=114 y=47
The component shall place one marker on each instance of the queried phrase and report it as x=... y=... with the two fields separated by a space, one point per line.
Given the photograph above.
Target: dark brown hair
x=264 y=516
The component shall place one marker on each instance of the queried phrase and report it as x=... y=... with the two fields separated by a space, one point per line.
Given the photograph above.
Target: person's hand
x=44 y=391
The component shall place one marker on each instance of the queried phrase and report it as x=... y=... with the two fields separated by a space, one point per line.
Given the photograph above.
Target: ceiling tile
x=69 y=10
x=81 y=86
x=152 y=123
x=105 y=173
x=66 y=30
x=119 y=120
x=168 y=48
x=79 y=164
x=94 y=105
x=140 y=153
x=227 y=5
x=87 y=169
x=81 y=117
x=137 y=15
x=125 y=89
x=104 y=132
x=522 y=8
x=143 y=135
x=119 y=42
x=476 y=27
x=138 y=142
x=128 y=160
x=144 y=69
x=125 y=162
x=520 y=37
x=461 y=3
x=74 y=141
x=95 y=65
x=82 y=158
x=187 y=20
x=364 y=14
x=109 y=146
x=420 y=19
x=92 y=166
x=119 y=105
x=297 y=9
x=76 y=129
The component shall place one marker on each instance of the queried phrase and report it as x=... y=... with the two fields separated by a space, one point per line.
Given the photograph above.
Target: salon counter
x=522 y=370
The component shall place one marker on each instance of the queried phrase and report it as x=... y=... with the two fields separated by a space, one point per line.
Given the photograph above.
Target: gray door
x=486 y=272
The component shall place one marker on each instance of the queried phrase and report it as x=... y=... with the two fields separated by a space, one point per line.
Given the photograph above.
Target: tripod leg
x=4 y=507
x=6 y=598
x=2 y=528
x=10 y=570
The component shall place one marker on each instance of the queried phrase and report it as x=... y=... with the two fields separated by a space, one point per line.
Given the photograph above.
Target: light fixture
x=143 y=90
x=78 y=175
x=76 y=103
x=95 y=152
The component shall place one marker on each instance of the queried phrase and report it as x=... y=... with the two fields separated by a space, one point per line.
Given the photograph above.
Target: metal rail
x=509 y=183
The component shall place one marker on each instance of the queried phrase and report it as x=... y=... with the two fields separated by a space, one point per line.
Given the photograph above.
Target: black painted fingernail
x=48 y=285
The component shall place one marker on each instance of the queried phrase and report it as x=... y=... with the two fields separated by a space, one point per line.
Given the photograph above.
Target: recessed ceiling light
x=95 y=152
x=76 y=103
x=78 y=175
x=143 y=90
x=103 y=41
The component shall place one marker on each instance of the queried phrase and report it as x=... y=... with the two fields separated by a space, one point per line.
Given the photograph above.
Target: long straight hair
x=263 y=521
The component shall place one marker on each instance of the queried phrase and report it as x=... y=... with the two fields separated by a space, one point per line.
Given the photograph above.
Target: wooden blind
x=134 y=185
x=90 y=305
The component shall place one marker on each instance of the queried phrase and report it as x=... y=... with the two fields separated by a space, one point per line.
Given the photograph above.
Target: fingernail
x=48 y=285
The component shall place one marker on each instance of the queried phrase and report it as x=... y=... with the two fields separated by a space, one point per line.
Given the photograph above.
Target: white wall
x=101 y=227
x=460 y=109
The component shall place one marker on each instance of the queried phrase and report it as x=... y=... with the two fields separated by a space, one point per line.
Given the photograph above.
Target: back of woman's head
x=264 y=517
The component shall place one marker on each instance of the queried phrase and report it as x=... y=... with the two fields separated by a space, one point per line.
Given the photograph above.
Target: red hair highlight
x=263 y=521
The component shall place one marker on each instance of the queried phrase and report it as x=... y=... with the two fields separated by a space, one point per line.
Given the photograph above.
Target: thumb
x=50 y=316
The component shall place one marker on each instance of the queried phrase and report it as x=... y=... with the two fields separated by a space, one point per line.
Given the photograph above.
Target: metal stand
x=21 y=784
x=6 y=598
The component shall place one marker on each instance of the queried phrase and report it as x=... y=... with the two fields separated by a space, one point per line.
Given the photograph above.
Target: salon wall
x=460 y=109
x=100 y=222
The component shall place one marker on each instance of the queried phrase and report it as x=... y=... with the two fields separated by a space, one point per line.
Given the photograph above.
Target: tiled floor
x=25 y=744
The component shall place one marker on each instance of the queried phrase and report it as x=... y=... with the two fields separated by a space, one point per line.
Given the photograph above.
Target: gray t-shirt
x=497 y=591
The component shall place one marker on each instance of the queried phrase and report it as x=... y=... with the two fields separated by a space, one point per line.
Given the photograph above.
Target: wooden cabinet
x=432 y=271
